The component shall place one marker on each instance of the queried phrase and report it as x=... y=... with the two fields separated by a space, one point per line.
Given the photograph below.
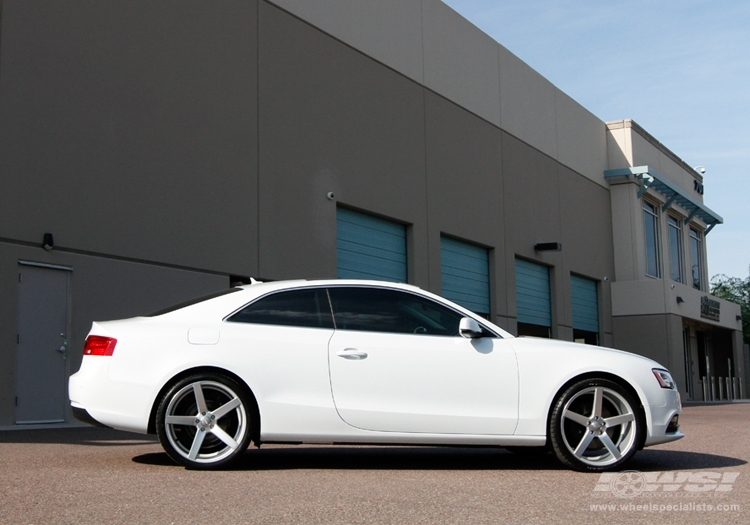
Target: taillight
x=99 y=345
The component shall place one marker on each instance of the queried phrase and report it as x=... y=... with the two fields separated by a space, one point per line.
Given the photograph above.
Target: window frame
x=697 y=235
x=674 y=224
x=652 y=210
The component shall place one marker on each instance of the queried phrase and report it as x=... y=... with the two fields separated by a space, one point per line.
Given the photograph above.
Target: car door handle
x=351 y=353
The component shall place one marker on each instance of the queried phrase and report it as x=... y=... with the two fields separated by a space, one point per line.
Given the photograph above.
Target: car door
x=398 y=364
x=279 y=344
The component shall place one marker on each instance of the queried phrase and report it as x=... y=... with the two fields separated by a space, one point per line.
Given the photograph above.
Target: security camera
x=329 y=195
x=700 y=169
x=49 y=242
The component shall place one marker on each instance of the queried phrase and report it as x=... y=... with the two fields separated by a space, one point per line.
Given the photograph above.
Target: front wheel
x=203 y=421
x=596 y=425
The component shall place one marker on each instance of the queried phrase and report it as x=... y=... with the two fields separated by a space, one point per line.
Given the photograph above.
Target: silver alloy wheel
x=598 y=426
x=205 y=422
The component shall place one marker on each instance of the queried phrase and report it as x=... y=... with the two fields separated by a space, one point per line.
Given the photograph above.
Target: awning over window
x=651 y=179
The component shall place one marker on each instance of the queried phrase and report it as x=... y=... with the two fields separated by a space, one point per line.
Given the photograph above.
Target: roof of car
x=294 y=283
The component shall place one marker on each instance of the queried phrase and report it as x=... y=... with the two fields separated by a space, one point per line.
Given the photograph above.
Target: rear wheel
x=203 y=421
x=596 y=425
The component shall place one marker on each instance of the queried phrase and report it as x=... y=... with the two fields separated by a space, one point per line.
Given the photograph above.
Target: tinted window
x=381 y=310
x=307 y=308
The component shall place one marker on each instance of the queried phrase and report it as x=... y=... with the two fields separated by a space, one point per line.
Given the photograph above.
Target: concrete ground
x=99 y=476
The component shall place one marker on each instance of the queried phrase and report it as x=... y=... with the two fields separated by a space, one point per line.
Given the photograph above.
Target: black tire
x=204 y=421
x=596 y=425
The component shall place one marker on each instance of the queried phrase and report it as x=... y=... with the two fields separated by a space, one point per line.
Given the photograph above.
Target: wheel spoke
x=226 y=408
x=226 y=438
x=180 y=420
x=584 y=444
x=575 y=416
x=199 y=399
x=605 y=439
x=619 y=420
x=598 y=396
x=196 y=447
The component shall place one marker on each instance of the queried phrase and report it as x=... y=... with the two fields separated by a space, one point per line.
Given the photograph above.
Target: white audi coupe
x=363 y=362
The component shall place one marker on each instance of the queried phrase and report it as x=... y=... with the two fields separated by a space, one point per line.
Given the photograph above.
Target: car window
x=382 y=310
x=305 y=308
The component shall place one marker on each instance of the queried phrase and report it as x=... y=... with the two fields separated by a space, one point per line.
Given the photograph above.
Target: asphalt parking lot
x=101 y=476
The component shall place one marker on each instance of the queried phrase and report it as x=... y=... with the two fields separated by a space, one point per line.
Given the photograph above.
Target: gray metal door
x=42 y=347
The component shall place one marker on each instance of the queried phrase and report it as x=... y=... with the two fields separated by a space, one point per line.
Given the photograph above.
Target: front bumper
x=662 y=428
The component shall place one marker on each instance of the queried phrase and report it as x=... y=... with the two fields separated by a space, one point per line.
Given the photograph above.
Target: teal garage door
x=585 y=304
x=533 y=301
x=465 y=274
x=369 y=247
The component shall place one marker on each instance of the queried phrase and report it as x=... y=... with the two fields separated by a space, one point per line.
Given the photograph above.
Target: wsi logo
x=632 y=483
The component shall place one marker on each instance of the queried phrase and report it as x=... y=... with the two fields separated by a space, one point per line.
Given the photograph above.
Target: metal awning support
x=669 y=202
x=646 y=182
x=651 y=179
x=692 y=214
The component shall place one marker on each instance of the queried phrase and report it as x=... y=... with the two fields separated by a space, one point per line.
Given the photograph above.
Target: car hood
x=575 y=348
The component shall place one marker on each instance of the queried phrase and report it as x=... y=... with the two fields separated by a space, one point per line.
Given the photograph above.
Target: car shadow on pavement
x=438 y=458
x=664 y=460
x=88 y=435
x=357 y=457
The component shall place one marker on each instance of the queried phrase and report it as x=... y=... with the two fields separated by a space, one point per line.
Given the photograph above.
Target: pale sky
x=679 y=68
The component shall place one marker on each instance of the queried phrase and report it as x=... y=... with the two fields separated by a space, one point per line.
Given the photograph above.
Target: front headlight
x=664 y=378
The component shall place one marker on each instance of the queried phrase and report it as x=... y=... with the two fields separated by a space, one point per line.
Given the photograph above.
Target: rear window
x=307 y=308
x=191 y=302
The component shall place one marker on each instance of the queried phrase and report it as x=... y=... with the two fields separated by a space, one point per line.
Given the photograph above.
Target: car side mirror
x=469 y=328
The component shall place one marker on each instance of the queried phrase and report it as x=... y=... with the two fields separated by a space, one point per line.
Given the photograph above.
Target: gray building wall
x=129 y=129
x=429 y=43
x=658 y=337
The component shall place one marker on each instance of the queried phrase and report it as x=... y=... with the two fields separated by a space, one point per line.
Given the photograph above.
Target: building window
x=465 y=271
x=675 y=249
x=696 y=258
x=651 y=233
x=533 y=299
